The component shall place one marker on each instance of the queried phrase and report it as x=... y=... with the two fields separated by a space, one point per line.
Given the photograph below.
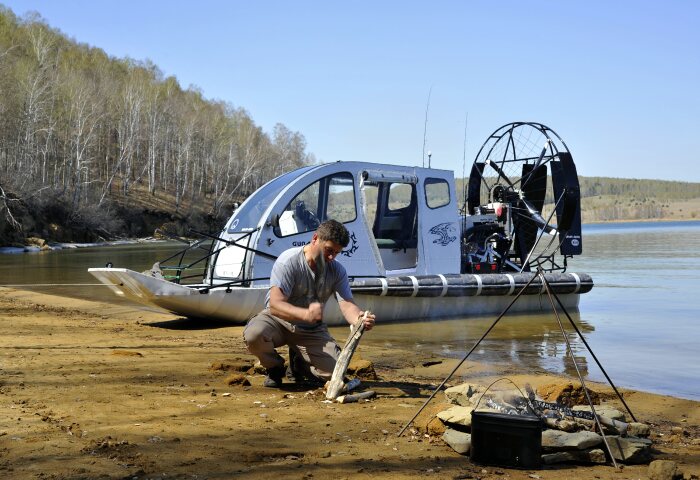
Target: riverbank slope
x=93 y=390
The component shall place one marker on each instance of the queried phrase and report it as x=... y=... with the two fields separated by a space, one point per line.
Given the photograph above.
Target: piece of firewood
x=341 y=366
x=355 y=397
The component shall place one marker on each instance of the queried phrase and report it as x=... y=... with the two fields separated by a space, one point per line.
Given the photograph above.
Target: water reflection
x=531 y=342
x=643 y=306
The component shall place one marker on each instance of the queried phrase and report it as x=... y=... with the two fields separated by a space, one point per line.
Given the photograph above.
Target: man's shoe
x=304 y=380
x=298 y=371
x=296 y=367
x=270 y=382
x=292 y=376
x=274 y=377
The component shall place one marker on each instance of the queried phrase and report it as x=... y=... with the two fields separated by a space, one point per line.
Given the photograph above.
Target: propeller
x=537 y=218
x=537 y=163
x=533 y=162
x=532 y=211
x=500 y=172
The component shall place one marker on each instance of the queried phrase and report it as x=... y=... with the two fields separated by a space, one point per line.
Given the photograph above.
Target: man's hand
x=314 y=314
x=367 y=319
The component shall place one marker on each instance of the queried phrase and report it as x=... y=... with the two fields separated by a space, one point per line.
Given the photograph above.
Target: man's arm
x=353 y=315
x=280 y=307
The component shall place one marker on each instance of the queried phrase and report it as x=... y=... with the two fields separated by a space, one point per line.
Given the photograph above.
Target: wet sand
x=92 y=390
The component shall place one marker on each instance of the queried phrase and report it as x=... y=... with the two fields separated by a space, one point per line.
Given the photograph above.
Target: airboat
x=420 y=249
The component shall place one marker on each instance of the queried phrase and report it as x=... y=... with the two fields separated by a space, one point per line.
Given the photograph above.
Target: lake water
x=640 y=319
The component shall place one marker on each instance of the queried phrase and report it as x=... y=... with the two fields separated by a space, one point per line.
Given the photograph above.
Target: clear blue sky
x=618 y=81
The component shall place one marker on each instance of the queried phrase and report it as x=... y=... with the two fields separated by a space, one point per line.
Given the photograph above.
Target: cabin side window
x=399 y=196
x=437 y=192
x=331 y=197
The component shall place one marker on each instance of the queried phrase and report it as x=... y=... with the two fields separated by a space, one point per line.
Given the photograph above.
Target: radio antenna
x=464 y=160
x=464 y=151
x=425 y=125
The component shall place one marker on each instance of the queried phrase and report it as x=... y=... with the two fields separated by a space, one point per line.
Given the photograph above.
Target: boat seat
x=390 y=243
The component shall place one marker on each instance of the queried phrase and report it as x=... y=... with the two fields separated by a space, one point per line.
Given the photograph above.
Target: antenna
x=425 y=125
x=464 y=159
x=464 y=151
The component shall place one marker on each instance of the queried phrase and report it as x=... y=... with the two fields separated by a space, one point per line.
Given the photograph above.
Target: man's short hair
x=334 y=231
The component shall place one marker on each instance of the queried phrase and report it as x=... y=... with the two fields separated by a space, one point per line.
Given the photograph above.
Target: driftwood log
x=355 y=397
x=336 y=383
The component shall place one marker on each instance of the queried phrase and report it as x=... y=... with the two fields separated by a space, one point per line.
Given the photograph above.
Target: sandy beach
x=92 y=390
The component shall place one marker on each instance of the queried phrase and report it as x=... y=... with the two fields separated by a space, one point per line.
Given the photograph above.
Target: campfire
x=515 y=429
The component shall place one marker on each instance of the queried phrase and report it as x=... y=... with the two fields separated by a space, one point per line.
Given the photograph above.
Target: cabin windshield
x=247 y=217
x=331 y=197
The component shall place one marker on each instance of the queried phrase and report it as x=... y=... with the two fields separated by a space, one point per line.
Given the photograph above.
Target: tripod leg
x=573 y=358
x=619 y=395
x=467 y=355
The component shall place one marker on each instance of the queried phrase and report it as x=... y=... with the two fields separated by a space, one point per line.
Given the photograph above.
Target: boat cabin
x=401 y=220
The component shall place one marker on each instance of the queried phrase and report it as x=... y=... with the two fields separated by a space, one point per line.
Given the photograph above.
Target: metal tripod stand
x=552 y=297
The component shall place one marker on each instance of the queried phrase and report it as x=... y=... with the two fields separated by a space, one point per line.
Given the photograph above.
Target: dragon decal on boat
x=443 y=231
x=352 y=247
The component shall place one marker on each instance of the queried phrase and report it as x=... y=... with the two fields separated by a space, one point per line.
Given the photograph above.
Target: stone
x=603 y=411
x=664 y=470
x=460 y=442
x=678 y=431
x=363 y=369
x=36 y=241
x=457 y=415
x=630 y=450
x=555 y=440
x=237 y=379
x=510 y=397
x=435 y=427
x=461 y=394
x=468 y=395
x=564 y=425
x=237 y=365
x=595 y=455
x=567 y=394
x=568 y=426
x=636 y=429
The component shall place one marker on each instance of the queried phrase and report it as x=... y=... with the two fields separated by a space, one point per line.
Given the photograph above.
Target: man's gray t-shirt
x=292 y=274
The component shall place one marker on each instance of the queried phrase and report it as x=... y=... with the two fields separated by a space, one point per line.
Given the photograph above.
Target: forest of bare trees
x=93 y=146
x=82 y=133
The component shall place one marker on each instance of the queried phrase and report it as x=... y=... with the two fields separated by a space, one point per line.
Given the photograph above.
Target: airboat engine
x=523 y=203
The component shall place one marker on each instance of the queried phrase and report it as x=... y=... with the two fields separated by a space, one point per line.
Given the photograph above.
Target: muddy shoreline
x=93 y=390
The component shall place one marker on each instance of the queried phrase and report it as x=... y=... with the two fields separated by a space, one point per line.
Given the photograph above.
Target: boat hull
x=395 y=299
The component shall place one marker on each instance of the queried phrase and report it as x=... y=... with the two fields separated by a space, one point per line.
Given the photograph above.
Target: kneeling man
x=302 y=280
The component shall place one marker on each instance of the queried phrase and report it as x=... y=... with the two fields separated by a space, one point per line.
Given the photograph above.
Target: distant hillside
x=618 y=199
x=605 y=199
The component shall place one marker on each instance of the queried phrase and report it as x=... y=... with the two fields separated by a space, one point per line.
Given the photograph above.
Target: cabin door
x=391 y=212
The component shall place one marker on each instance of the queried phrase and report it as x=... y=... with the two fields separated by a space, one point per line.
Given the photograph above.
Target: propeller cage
x=523 y=202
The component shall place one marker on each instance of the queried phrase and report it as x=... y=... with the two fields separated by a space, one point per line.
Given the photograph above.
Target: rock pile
x=567 y=435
